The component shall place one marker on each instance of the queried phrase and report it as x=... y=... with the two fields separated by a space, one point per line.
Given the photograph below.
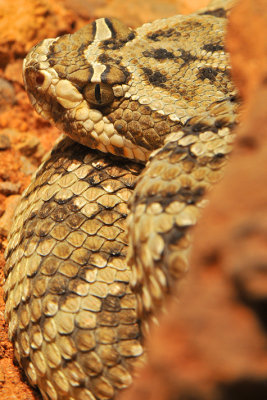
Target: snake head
x=123 y=91
x=78 y=82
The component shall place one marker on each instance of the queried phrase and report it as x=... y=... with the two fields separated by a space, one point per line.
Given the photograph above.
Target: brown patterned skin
x=160 y=77
x=161 y=93
x=71 y=312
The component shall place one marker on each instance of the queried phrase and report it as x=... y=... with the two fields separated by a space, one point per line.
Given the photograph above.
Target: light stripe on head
x=98 y=70
x=91 y=53
x=103 y=31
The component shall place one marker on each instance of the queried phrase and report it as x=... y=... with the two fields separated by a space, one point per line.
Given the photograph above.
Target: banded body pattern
x=80 y=283
x=71 y=312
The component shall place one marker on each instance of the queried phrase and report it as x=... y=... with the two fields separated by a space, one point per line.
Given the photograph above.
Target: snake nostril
x=39 y=79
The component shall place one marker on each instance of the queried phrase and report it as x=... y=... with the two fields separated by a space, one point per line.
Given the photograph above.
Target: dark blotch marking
x=111 y=303
x=186 y=56
x=172 y=146
x=186 y=195
x=104 y=58
x=234 y=98
x=51 y=61
x=190 y=196
x=156 y=78
x=131 y=36
x=59 y=213
x=111 y=27
x=175 y=235
x=198 y=128
x=219 y=123
x=105 y=74
x=218 y=156
x=75 y=220
x=219 y=13
x=96 y=178
x=81 y=49
x=207 y=73
x=159 y=54
x=160 y=34
x=94 y=29
x=58 y=285
x=213 y=47
x=113 y=44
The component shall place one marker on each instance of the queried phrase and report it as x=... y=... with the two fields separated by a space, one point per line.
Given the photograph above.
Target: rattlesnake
x=160 y=96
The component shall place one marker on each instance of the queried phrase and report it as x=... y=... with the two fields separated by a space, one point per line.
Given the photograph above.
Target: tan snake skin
x=161 y=93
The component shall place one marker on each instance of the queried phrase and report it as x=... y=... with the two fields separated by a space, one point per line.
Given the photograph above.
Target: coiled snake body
x=160 y=96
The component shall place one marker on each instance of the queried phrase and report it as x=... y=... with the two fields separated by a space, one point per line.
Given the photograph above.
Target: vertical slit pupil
x=98 y=93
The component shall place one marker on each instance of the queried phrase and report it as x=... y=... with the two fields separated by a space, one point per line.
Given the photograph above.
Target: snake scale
x=150 y=114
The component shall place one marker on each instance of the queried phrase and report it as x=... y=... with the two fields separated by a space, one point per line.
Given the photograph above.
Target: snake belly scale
x=150 y=114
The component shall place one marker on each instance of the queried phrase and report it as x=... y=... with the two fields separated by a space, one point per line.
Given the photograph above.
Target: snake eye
x=98 y=94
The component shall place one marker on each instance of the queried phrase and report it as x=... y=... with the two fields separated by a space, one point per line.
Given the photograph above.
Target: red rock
x=7 y=94
x=8 y=188
x=6 y=219
x=25 y=23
